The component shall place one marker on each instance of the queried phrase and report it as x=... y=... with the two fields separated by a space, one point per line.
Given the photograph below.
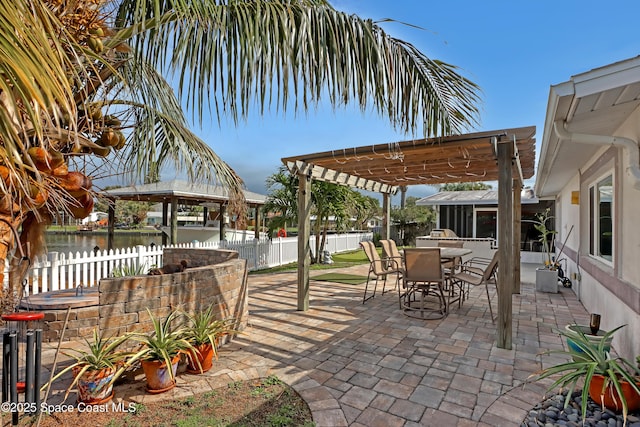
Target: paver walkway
x=370 y=365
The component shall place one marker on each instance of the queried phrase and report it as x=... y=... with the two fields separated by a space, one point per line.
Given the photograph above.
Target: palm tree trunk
x=8 y=239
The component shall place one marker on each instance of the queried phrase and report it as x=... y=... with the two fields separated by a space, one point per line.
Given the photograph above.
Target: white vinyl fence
x=59 y=271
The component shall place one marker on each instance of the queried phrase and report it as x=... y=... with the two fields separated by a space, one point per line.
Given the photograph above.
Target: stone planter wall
x=213 y=276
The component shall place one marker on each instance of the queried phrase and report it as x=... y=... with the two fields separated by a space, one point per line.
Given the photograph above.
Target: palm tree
x=83 y=90
x=282 y=199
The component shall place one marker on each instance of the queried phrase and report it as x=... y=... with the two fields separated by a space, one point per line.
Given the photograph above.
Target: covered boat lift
x=179 y=192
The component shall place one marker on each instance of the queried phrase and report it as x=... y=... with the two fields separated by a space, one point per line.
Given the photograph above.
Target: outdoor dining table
x=423 y=277
x=447 y=254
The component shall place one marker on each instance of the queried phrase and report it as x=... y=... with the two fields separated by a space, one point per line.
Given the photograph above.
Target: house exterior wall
x=611 y=289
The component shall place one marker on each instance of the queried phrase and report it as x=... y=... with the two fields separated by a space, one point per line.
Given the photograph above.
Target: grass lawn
x=343 y=259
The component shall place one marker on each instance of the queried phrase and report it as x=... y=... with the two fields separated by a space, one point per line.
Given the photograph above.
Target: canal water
x=82 y=242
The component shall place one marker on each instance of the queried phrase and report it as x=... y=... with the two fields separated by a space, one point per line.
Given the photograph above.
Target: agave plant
x=164 y=342
x=125 y=270
x=204 y=328
x=101 y=353
x=590 y=359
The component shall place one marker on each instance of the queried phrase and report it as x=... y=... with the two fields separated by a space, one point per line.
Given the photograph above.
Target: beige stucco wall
x=619 y=299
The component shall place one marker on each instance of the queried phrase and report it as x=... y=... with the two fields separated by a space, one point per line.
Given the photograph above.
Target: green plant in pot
x=160 y=352
x=96 y=368
x=203 y=330
x=546 y=236
x=611 y=382
x=547 y=275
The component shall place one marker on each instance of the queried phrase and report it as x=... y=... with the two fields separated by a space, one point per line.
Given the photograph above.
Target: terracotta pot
x=159 y=378
x=95 y=386
x=611 y=398
x=204 y=355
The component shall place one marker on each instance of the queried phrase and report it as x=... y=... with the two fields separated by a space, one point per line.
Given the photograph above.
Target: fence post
x=54 y=274
x=141 y=257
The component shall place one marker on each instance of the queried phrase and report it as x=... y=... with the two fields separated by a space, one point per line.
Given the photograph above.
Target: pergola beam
x=341 y=178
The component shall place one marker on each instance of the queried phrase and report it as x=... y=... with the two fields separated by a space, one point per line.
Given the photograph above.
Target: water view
x=65 y=243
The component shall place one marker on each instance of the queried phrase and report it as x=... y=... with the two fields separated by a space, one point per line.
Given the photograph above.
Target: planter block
x=546 y=280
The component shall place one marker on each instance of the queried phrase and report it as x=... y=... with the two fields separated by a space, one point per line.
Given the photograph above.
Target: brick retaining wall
x=214 y=276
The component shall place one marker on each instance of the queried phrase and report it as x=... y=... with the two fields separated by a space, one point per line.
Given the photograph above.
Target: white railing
x=59 y=271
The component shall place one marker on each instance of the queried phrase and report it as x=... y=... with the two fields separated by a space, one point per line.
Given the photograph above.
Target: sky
x=514 y=50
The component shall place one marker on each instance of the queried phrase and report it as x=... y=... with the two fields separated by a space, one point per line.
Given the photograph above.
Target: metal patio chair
x=379 y=268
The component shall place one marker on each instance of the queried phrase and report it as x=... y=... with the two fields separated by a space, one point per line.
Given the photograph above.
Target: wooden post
x=386 y=220
x=174 y=221
x=505 y=240
x=165 y=221
x=222 y=225
x=304 y=234
x=111 y=224
x=256 y=230
x=517 y=220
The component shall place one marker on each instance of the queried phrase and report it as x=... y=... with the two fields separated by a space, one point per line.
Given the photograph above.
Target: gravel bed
x=550 y=413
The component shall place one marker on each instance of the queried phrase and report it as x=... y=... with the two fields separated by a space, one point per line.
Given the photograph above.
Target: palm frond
x=278 y=52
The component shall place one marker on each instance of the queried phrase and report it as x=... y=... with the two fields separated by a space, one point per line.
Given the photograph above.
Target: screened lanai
x=505 y=155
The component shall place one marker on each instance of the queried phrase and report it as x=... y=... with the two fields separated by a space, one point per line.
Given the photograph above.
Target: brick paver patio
x=370 y=365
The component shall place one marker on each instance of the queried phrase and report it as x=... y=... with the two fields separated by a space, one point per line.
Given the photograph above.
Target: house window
x=487 y=223
x=601 y=219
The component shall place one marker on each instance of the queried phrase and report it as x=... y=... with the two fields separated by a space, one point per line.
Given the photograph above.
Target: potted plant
x=203 y=330
x=612 y=382
x=96 y=368
x=546 y=276
x=574 y=329
x=160 y=352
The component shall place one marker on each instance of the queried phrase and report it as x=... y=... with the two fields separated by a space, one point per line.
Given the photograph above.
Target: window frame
x=595 y=218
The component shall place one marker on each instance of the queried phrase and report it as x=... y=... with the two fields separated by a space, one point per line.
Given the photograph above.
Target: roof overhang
x=594 y=103
x=185 y=192
x=471 y=197
x=385 y=167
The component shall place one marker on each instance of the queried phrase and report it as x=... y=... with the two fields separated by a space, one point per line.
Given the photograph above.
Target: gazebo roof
x=384 y=167
x=186 y=192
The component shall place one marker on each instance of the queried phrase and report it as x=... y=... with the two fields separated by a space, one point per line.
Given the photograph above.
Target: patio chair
x=379 y=268
x=390 y=251
x=450 y=265
x=476 y=272
x=424 y=278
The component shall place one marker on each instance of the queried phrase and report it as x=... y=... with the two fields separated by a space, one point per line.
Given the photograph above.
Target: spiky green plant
x=165 y=342
x=590 y=360
x=203 y=327
x=100 y=353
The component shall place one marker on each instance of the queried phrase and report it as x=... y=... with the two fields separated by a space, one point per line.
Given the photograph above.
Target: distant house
x=589 y=164
x=474 y=214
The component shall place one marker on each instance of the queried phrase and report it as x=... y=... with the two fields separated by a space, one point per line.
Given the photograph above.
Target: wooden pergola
x=506 y=156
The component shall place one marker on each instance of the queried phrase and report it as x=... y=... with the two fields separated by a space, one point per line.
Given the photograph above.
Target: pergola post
x=386 y=220
x=304 y=234
x=505 y=151
x=517 y=220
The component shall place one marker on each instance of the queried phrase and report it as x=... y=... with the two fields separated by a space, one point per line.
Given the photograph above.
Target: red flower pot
x=610 y=396
x=159 y=378
x=204 y=355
